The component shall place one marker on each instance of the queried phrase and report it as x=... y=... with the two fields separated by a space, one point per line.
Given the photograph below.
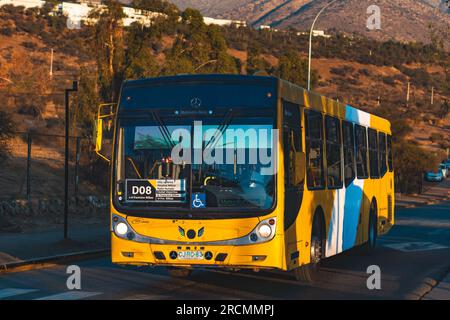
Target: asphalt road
x=418 y=245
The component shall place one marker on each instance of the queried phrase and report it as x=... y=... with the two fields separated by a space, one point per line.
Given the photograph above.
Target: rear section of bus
x=195 y=173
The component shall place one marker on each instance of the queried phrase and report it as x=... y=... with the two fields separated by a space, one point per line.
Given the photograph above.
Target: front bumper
x=267 y=255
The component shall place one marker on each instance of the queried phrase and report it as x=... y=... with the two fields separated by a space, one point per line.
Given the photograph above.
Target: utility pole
x=51 y=63
x=408 y=93
x=66 y=159
x=432 y=95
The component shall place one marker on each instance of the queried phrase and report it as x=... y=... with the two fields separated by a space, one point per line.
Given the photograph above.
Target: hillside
x=368 y=74
x=403 y=20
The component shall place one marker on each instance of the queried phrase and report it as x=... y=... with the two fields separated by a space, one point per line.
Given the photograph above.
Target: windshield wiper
x=221 y=129
x=163 y=129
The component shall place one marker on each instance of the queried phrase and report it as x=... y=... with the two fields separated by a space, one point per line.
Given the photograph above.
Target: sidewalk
x=33 y=245
x=441 y=291
x=434 y=193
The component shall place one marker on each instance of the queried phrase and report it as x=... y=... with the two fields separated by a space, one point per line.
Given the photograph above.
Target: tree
x=109 y=45
x=84 y=106
x=255 y=62
x=6 y=133
x=172 y=13
x=198 y=48
x=156 y=6
x=411 y=161
x=139 y=57
x=444 y=109
x=293 y=68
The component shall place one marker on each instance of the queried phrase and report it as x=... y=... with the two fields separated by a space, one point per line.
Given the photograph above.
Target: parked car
x=447 y=164
x=432 y=176
x=443 y=169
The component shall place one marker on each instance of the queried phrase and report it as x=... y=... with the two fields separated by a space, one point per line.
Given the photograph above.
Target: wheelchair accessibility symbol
x=198 y=200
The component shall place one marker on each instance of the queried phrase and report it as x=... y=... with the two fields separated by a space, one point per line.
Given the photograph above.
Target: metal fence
x=34 y=168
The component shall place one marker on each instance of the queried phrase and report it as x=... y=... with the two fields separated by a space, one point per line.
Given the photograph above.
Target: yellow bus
x=243 y=172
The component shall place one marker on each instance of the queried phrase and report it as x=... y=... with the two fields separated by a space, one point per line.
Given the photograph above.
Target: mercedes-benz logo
x=208 y=255
x=196 y=102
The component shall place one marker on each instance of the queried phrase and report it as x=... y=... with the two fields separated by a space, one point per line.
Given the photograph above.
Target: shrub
x=29 y=45
x=6 y=132
x=411 y=162
x=436 y=137
x=364 y=72
x=342 y=71
x=389 y=80
x=7 y=31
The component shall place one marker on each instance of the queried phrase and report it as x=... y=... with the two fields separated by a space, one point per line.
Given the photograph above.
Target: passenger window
x=361 y=152
x=382 y=149
x=389 y=153
x=349 y=152
x=334 y=163
x=314 y=149
x=373 y=154
x=292 y=140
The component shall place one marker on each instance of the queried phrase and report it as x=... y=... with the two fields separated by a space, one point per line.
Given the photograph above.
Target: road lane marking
x=415 y=246
x=70 y=295
x=11 y=292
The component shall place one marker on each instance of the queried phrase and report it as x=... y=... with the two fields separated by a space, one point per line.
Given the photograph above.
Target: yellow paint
x=286 y=242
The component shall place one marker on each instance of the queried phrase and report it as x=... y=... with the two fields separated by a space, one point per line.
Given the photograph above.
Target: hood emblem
x=196 y=103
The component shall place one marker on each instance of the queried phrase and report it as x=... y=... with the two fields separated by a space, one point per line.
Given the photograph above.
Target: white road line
x=70 y=295
x=11 y=292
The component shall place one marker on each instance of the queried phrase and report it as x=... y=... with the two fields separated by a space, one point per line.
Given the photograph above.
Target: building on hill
x=224 y=22
x=316 y=33
x=80 y=11
x=27 y=4
x=91 y=2
x=264 y=27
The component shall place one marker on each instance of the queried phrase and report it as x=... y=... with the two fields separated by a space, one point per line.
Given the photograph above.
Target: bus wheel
x=369 y=246
x=179 y=272
x=309 y=272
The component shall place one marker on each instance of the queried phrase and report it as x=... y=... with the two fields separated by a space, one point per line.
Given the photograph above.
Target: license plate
x=190 y=255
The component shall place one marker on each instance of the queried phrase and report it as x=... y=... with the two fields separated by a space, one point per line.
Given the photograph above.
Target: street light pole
x=66 y=159
x=310 y=42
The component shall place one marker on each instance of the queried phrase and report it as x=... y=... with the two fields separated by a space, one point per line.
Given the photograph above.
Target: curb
x=50 y=261
x=427 y=284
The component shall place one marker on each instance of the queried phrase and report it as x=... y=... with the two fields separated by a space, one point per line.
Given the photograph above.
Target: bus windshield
x=224 y=162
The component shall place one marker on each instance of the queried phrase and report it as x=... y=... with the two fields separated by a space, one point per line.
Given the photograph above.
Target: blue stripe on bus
x=351 y=114
x=352 y=207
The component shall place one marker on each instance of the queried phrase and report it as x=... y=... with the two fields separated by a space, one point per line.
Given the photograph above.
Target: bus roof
x=201 y=78
x=298 y=95
x=287 y=90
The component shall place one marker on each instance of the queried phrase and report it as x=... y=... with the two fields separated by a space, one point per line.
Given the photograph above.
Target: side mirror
x=300 y=168
x=104 y=129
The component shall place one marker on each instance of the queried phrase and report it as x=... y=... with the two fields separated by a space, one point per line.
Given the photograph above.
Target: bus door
x=294 y=162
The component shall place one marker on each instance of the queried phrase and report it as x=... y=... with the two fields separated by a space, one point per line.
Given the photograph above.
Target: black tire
x=370 y=245
x=309 y=273
x=179 y=272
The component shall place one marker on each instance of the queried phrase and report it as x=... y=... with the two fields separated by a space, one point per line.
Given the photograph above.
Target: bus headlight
x=265 y=230
x=121 y=228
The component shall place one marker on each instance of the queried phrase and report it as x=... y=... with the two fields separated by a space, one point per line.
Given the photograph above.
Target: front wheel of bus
x=179 y=272
x=309 y=272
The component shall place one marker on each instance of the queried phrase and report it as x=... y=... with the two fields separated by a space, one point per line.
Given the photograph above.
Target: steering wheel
x=208 y=180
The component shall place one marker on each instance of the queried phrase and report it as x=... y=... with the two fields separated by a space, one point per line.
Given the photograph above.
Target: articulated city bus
x=301 y=178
